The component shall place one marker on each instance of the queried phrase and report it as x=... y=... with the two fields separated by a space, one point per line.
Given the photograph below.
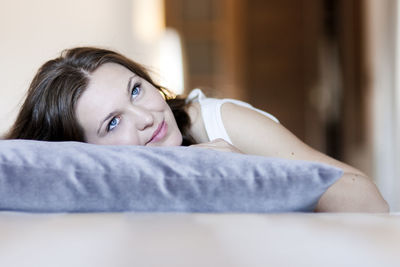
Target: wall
x=32 y=32
x=383 y=128
x=264 y=52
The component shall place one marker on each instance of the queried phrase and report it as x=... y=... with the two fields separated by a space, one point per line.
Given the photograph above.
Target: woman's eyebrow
x=128 y=88
x=112 y=114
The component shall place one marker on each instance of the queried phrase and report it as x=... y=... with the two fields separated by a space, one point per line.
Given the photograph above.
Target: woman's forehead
x=106 y=88
x=110 y=73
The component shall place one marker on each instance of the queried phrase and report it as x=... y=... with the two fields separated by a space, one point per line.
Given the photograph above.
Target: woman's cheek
x=125 y=136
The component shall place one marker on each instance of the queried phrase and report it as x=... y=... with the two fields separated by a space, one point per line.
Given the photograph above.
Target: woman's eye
x=113 y=123
x=136 y=90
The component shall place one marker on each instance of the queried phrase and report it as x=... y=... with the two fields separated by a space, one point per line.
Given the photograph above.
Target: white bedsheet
x=127 y=239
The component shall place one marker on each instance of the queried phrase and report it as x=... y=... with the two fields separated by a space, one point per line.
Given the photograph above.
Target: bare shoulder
x=255 y=133
x=234 y=115
x=197 y=128
x=251 y=131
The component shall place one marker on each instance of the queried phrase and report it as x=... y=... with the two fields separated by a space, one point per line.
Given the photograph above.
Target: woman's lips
x=159 y=133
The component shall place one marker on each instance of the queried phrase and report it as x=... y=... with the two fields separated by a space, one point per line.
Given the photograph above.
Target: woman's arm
x=254 y=133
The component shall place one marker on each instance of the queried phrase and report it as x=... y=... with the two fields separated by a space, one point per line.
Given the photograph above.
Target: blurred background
x=328 y=69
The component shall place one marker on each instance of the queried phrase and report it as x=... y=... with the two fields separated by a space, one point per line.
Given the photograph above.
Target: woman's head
x=98 y=96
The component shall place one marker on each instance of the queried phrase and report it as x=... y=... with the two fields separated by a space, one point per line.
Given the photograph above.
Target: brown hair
x=48 y=112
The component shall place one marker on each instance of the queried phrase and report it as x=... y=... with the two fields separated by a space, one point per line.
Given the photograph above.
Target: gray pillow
x=37 y=176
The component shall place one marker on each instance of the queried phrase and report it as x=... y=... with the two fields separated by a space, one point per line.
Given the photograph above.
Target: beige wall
x=384 y=127
x=32 y=32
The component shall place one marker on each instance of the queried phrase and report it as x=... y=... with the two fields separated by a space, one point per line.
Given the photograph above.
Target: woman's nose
x=142 y=117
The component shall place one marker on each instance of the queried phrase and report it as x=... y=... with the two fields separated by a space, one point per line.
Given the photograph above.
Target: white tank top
x=211 y=113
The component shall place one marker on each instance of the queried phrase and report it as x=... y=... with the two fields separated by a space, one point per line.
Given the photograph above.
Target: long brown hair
x=48 y=112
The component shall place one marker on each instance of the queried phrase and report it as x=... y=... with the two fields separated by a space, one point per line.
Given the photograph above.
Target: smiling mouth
x=159 y=133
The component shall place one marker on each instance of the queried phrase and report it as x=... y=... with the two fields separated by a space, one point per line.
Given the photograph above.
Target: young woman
x=101 y=97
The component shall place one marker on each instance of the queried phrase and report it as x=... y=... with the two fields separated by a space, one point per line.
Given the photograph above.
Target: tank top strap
x=211 y=113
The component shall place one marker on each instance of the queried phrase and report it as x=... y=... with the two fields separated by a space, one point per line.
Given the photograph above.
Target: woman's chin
x=174 y=141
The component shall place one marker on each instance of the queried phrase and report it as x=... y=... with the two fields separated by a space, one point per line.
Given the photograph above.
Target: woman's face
x=121 y=108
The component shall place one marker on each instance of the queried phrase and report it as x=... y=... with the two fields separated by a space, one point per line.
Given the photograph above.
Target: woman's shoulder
x=213 y=106
x=205 y=115
x=209 y=116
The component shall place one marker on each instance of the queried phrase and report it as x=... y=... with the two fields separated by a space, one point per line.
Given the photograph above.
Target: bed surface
x=128 y=239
